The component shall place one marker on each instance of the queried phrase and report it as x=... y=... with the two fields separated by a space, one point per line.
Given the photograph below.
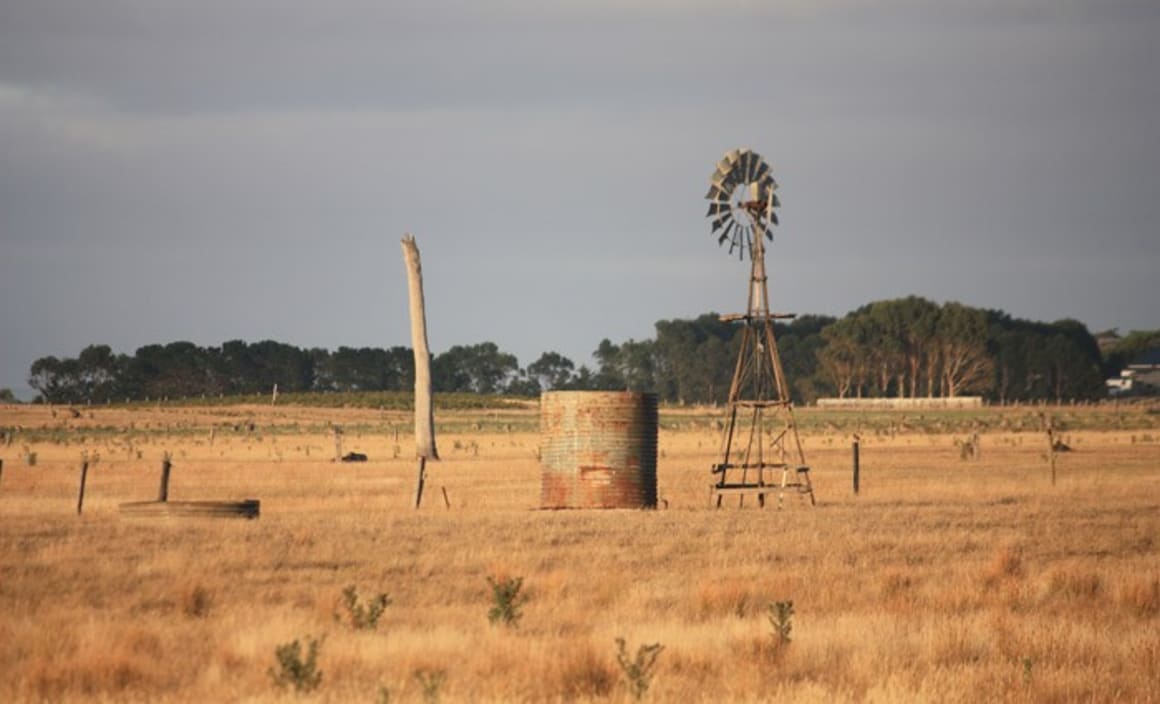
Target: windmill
x=742 y=197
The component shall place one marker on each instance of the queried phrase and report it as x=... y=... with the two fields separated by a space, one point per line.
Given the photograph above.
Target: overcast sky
x=226 y=169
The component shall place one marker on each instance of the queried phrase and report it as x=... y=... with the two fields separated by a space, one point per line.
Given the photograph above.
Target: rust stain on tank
x=598 y=449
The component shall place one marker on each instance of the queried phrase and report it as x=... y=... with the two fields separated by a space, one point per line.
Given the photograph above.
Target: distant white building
x=1146 y=369
x=1121 y=385
x=1142 y=376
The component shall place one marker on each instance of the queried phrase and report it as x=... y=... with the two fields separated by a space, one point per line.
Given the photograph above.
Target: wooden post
x=163 y=491
x=1 y=469
x=422 y=480
x=446 y=501
x=1051 y=449
x=854 y=447
x=424 y=413
x=337 y=443
x=84 y=477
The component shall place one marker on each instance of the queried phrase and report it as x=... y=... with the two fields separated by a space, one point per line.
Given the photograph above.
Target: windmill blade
x=721 y=180
x=738 y=242
x=727 y=233
x=721 y=220
x=716 y=208
x=718 y=191
x=751 y=168
x=729 y=180
x=773 y=218
x=741 y=164
x=762 y=171
x=726 y=164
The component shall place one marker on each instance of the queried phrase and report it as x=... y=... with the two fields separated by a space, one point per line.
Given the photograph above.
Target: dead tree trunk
x=424 y=413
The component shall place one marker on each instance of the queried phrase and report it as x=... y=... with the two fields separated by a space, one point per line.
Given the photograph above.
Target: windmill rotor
x=742 y=200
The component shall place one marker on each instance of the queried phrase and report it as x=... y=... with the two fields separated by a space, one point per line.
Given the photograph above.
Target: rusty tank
x=598 y=449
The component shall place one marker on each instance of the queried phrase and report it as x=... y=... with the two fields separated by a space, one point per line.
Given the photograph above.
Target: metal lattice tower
x=742 y=201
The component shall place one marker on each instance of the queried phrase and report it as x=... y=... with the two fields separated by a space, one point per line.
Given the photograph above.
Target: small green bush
x=639 y=670
x=294 y=670
x=781 y=619
x=431 y=681
x=363 y=615
x=507 y=601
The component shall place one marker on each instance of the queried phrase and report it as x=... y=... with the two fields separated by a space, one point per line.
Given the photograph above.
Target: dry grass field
x=945 y=580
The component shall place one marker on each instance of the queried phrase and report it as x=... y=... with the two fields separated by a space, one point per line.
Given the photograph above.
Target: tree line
x=907 y=347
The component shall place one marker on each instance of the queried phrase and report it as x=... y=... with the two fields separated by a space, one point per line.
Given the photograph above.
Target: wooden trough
x=246 y=508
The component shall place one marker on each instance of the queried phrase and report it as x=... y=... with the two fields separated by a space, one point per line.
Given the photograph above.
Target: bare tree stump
x=424 y=412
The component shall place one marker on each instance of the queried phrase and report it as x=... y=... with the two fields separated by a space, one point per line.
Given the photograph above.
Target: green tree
x=1074 y=369
x=961 y=336
x=551 y=371
x=841 y=359
x=481 y=368
x=99 y=372
x=693 y=359
x=364 y=369
x=56 y=380
x=799 y=343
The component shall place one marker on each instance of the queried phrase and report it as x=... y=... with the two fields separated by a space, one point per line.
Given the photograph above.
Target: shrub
x=639 y=670
x=506 y=600
x=196 y=601
x=431 y=681
x=781 y=619
x=363 y=615
x=295 y=671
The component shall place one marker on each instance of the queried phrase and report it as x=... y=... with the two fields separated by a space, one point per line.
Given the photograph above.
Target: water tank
x=598 y=449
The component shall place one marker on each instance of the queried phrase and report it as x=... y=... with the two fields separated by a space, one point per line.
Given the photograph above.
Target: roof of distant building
x=1151 y=358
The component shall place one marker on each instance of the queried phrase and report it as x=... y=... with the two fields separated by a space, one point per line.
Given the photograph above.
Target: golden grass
x=946 y=580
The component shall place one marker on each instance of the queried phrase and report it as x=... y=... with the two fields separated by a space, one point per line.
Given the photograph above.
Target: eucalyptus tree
x=961 y=337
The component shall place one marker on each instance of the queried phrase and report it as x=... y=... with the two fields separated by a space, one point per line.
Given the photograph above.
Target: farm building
x=1141 y=376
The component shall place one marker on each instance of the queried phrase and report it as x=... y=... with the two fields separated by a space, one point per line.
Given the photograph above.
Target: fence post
x=854 y=448
x=84 y=476
x=422 y=480
x=163 y=491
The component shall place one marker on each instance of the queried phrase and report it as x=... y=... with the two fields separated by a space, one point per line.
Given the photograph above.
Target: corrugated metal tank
x=598 y=449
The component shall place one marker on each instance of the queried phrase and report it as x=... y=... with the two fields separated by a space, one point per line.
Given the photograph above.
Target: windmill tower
x=742 y=199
